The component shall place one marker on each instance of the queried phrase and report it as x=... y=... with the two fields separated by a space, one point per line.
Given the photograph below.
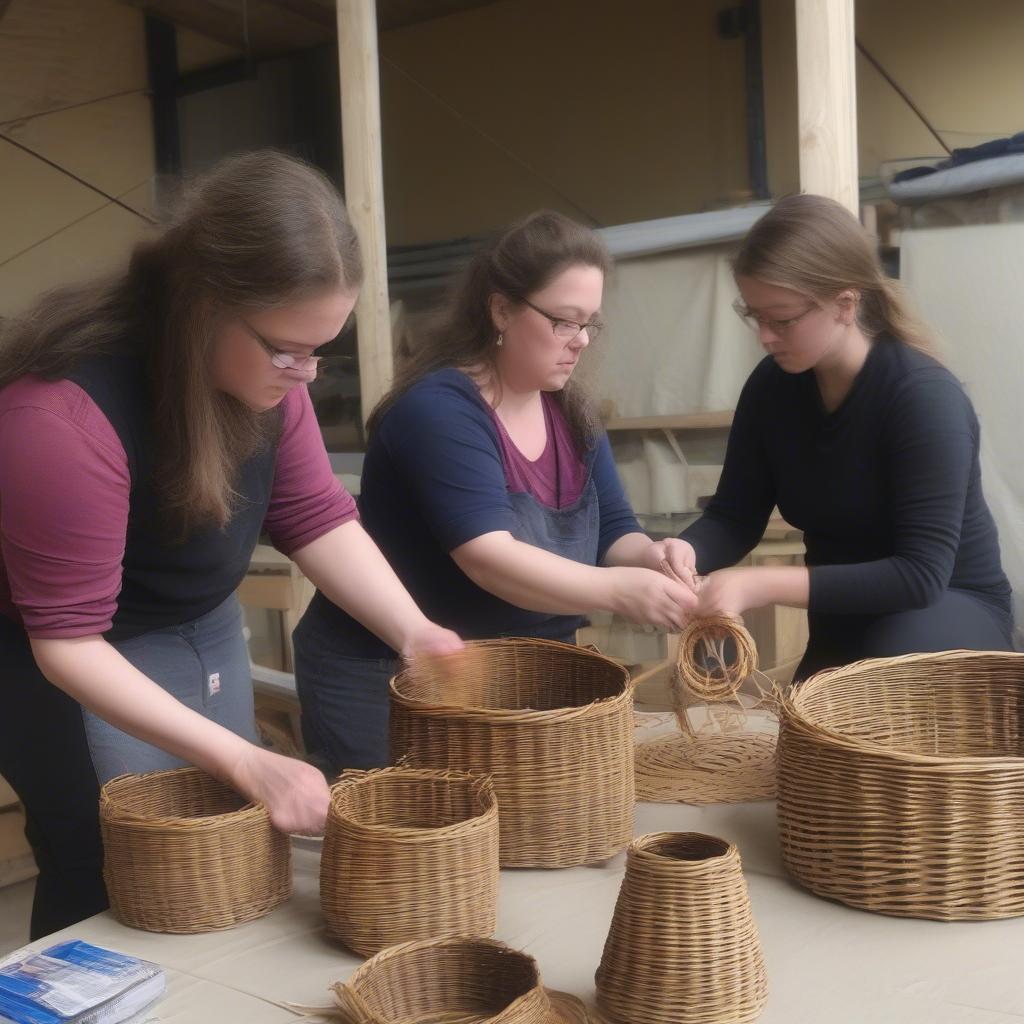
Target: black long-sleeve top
x=887 y=488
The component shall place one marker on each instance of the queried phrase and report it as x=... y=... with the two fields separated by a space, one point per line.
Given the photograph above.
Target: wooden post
x=827 y=93
x=364 y=189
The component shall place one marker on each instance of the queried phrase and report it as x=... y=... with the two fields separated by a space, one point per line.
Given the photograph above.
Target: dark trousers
x=45 y=758
x=957 y=621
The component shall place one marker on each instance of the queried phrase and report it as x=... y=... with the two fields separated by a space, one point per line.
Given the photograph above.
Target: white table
x=827 y=964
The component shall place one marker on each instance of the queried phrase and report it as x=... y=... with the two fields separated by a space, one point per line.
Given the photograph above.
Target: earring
x=500 y=341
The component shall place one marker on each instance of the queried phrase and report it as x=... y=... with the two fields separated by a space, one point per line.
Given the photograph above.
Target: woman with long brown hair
x=489 y=486
x=151 y=426
x=865 y=442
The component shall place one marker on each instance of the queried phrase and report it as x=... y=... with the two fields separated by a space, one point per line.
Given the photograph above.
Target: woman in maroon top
x=151 y=427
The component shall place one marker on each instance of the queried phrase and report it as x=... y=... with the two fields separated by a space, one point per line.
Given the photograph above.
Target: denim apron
x=345 y=700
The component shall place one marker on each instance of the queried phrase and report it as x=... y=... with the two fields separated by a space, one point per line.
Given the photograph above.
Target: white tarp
x=673 y=345
x=673 y=342
x=968 y=282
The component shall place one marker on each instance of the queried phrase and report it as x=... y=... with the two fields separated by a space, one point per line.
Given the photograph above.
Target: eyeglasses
x=288 y=361
x=755 y=321
x=567 y=330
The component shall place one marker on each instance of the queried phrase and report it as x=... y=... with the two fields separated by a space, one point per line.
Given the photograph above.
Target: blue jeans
x=204 y=664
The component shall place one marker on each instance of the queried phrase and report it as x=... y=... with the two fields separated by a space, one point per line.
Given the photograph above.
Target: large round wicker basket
x=901 y=785
x=552 y=724
x=185 y=853
x=409 y=853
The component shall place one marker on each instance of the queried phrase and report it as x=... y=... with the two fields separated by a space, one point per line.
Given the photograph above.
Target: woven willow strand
x=901 y=785
x=409 y=854
x=720 y=763
x=683 y=947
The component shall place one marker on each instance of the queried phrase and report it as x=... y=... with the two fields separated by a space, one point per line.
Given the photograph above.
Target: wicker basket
x=409 y=854
x=901 y=785
x=683 y=947
x=552 y=724
x=465 y=979
x=185 y=853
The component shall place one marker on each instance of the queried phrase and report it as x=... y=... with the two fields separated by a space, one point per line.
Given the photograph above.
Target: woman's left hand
x=677 y=554
x=728 y=593
x=432 y=639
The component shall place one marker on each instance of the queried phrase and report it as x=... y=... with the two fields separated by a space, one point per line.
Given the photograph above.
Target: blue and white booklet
x=76 y=983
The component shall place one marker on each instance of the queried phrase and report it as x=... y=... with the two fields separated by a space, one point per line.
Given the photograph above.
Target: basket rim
x=643 y=845
x=111 y=810
x=349 y=779
x=519 y=715
x=381 y=960
x=793 y=716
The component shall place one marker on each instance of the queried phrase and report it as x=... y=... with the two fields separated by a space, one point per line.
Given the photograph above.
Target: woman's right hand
x=650 y=598
x=295 y=793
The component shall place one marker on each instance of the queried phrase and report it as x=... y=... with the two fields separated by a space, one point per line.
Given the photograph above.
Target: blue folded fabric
x=968 y=155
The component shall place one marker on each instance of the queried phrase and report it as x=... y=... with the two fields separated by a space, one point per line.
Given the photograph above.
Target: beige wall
x=625 y=111
x=602 y=109
x=610 y=111
x=959 y=60
x=72 y=87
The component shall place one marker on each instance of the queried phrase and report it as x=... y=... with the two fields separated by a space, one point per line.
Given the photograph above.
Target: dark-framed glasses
x=567 y=330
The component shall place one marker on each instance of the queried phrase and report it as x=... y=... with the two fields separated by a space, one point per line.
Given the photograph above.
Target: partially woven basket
x=463 y=979
x=551 y=723
x=723 y=762
x=682 y=947
x=185 y=853
x=901 y=785
x=409 y=854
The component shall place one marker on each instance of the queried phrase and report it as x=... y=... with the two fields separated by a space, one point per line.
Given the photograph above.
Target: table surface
x=827 y=963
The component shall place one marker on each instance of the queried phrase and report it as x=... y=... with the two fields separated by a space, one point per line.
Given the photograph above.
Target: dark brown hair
x=817 y=247
x=516 y=264
x=257 y=231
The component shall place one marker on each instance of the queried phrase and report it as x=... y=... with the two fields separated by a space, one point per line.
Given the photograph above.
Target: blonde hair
x=815 y=246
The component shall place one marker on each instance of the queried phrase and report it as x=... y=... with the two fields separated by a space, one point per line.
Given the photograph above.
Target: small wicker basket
x=552 y=724
x=682 y=947
x=462 y=979
x=901 y=785
x=185 y=853
x=409 y=854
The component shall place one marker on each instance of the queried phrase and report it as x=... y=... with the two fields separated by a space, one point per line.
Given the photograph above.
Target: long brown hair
x=257 y=231
x=816 y=246
x=519 y=262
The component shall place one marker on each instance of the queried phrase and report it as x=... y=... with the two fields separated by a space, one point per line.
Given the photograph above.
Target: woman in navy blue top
x=489 y=487
x=866 y=443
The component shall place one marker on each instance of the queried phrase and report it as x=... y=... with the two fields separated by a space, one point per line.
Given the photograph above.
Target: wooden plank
x=364 y=190
x=827 y=100
x=681 y=421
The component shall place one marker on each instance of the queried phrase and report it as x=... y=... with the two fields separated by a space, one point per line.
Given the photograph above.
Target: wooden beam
x=364 y=190
x=827 y=99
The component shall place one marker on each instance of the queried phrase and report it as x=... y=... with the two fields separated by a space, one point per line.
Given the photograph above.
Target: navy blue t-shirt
x=887 y=488
x=433 y=479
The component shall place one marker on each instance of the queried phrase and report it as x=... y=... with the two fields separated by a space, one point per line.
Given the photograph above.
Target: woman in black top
x=865 y=442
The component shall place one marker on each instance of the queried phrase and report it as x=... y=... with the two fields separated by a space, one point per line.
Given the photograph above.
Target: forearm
x=532 y=578
x=101 y=679
x=348 y=567
x=784 y=584
x=629 y=550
